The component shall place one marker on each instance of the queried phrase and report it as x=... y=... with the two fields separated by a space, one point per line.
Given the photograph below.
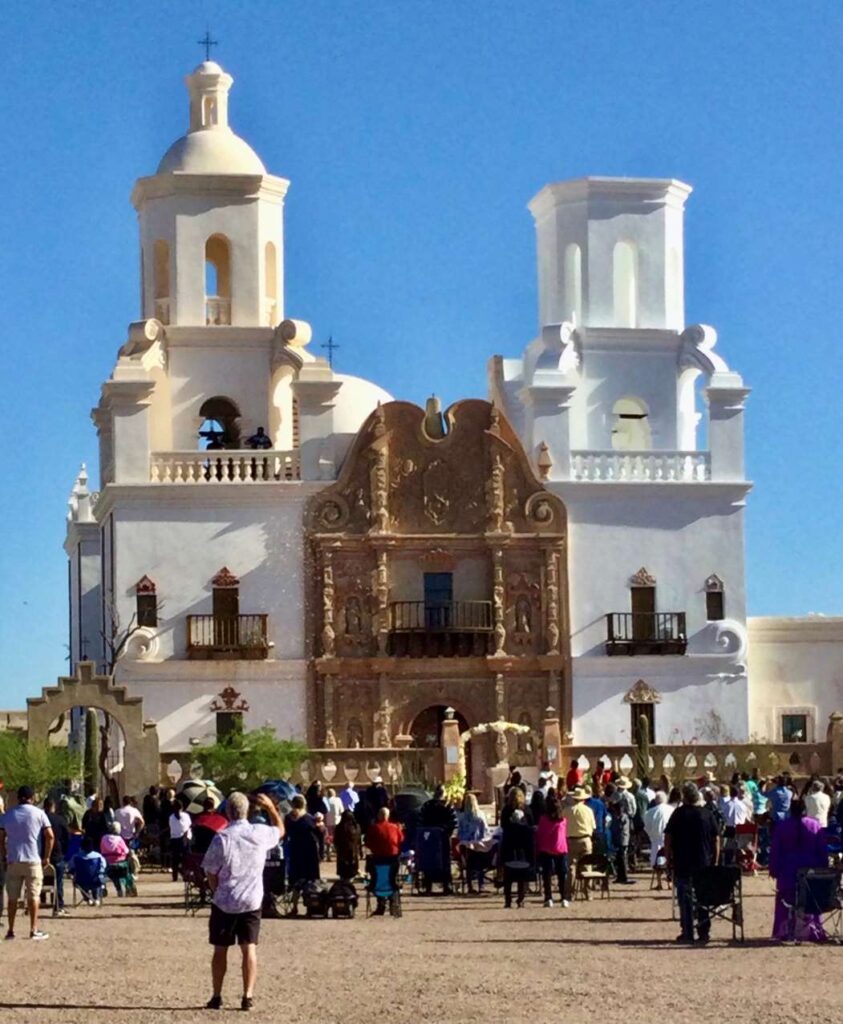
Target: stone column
x=552 y=740
x=835 y=738
x=726 y=398
x=450 y=746
x=316 y=390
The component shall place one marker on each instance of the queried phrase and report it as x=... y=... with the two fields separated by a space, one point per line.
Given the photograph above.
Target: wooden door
x=643 y=613
x=226 y=607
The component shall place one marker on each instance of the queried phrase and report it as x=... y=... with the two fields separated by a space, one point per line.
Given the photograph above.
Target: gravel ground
x=448 y=959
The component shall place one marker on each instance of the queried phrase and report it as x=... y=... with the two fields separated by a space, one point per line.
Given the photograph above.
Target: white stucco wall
x=796 y=667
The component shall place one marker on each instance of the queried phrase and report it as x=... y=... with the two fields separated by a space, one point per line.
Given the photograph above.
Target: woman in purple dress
x=798 y=842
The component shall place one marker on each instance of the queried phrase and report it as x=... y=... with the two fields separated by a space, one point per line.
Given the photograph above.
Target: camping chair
x=818 y=895
x=383 y=883
x=195 y=883
x=593 y=872
x=834 y=845
x=88 y=878
x=48 y=890
x=432 y=859
x=476 y=866
x=717 y=889
x=746 y=845
x=660 y=873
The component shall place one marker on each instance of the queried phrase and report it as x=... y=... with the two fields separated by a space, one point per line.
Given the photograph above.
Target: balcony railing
x=648 y=467
x=217 y=311
x=227 y=637
x=646 y=633
x=451 y=616
x=447 y=629
x=236 y=466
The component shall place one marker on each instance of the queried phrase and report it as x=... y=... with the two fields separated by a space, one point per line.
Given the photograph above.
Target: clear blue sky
x=414 y=134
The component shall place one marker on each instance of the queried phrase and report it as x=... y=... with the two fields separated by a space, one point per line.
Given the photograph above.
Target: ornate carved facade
x=438 y=577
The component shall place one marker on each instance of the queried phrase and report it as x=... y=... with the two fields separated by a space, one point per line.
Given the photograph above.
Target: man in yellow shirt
x=581 y=827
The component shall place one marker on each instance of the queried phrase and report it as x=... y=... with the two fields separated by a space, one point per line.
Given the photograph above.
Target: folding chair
x=593 y=872
x=718 y=890
x=818 y=895
x=432 y=859
x=195 y=884
x=383 y=883
x=88 y=878
x=48 y=890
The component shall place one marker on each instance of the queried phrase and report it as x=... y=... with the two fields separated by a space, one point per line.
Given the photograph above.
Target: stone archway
x=87 y=689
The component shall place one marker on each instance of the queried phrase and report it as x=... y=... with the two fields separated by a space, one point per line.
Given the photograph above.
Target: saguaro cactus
x=642 y=747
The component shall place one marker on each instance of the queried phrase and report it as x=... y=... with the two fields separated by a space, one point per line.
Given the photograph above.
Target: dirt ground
x=457 y=959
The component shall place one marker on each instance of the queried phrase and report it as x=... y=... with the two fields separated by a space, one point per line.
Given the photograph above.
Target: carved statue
x=501 y=747
x=353 y=617
x=523 y=615
x=330 y=738
x=382 y=721
x=354 y=734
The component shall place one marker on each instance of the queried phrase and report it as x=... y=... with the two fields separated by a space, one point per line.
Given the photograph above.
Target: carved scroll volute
x=552 y=590
x=498 y=601
x=379 y=476
x=382 y=600
x=328 y=634
x=496 y=495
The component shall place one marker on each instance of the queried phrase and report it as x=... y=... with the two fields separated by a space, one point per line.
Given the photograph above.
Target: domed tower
x=211 y=222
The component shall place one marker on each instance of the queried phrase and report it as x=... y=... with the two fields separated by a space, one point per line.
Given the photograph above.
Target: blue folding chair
x=432 y=860
x=384 y=885
x=88 y=878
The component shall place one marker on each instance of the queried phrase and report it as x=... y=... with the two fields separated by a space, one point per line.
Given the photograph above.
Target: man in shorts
x=21 y=829
x=234 y=866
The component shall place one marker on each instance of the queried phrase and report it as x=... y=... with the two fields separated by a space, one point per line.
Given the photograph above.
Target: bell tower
x=211 y=222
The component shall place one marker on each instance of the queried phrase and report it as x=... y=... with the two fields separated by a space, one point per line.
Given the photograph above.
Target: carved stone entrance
x=86 y=689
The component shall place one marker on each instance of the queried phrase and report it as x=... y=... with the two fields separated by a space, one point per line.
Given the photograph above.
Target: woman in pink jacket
x=552 y=848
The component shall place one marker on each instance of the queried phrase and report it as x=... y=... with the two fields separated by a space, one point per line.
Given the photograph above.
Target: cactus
x=642 y=748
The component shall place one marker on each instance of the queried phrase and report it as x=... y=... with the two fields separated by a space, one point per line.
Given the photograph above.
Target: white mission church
x=218 y=429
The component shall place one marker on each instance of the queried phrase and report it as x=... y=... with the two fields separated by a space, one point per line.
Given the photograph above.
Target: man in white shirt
x=817 y=803
x=21 y=829
x=734 y=810
x=129 y=819
x=234 y=865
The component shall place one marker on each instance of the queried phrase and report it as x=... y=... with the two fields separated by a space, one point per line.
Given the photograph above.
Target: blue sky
x=414 y=134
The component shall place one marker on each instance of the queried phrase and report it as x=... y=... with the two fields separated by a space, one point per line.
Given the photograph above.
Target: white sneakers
x=38 y=936
x=566 y=904
x=548 y=903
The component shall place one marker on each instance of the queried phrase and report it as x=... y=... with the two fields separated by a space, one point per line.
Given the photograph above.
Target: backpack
x=342 y=897
x=314 y=896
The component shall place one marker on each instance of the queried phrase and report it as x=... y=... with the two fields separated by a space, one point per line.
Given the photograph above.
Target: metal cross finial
x=331 y=346
x=207 y=42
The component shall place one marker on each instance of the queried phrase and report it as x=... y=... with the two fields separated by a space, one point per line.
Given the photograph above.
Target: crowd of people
x=548 y=833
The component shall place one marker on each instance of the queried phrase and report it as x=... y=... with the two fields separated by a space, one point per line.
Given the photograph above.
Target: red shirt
x=384 y=839
x=573 y=778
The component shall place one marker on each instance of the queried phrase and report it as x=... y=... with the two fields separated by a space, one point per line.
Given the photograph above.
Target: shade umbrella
x=278 y=789
x=195 y=792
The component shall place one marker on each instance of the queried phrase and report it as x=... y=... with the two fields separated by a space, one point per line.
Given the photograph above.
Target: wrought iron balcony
x=227 y=637
x=646 y=633
x=447 y=629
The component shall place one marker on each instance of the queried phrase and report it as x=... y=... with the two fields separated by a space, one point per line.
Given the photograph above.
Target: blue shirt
x=599 y=810
x=779 y=799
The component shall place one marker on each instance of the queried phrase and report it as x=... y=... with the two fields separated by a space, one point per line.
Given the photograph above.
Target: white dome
x=356 y=400
x=214 y=151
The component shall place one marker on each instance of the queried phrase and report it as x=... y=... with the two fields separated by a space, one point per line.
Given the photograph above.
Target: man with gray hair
x=691 y=843
x=234 y=865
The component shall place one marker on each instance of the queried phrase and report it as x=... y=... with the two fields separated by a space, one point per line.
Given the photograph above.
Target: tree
x=37 y=764
x=243 y=760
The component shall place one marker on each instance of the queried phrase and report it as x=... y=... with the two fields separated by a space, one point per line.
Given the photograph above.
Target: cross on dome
x=207 y=42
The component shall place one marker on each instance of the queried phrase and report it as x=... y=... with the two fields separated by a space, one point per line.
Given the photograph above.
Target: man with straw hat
x=581 y=826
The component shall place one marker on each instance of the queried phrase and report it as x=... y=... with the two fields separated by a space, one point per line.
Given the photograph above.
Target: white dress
x=655 y=822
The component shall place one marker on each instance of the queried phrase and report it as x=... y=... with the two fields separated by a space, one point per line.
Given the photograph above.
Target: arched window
x=573 y=282
x=220 y=424
x=161 y=280
x=217 y=280
x=270 y=270
x=625 y=284
x=631 y=427
x=209 y=112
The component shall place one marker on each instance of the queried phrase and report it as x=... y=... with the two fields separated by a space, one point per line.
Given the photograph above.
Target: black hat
x=25 y=793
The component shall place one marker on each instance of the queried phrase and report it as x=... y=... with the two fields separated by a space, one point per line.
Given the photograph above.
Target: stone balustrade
x=396 y=766
x=226 y=466
x=635 y=467
x=217 y=311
